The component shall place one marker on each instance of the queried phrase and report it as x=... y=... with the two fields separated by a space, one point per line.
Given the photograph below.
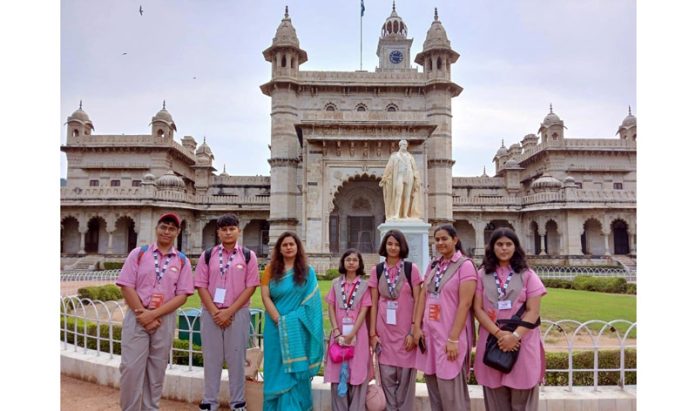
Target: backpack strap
x=408 y=267
x=183 y=259
x=182 y=256
x=208 y=253
x=142 y=251
x=247 y=254
x=380 y=270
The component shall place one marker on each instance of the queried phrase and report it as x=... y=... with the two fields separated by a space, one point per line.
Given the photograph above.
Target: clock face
x=396 y=56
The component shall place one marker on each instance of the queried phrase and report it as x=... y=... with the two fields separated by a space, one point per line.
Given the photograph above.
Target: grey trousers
x=353 y=401
x=143 y=362
x=399 y=385
x=454 y=393
x=227 y=344
x=510 y=399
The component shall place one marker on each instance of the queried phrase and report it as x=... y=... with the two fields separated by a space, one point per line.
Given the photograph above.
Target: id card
x=505 y=305
x=347 y=326
x=155 y=301
x=219 y=295
x=434 y=312
x=391 y=312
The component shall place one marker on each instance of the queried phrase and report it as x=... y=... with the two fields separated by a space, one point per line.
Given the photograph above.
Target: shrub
x=601 y=284
x=557 y=283
x=631 y=288
x=102 y=293
x=113 y=265
x=330 y=274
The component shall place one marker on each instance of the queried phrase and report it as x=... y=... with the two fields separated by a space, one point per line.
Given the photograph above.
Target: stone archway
x=467 y=235
x=182 y=240
x=619 y=234
x=209 y=235
x=592 y=241
x=96 y=239
x=69 y=236
x=536 y=238
x=124 y=237
x=552 y=238
x=492 y=225
x=358 y=208
x=256 y=237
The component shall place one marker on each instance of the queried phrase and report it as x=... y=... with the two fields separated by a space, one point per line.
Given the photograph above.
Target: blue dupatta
x=293 y=349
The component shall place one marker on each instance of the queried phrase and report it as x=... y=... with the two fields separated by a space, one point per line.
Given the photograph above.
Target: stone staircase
x=88 y=262
x=628 y=263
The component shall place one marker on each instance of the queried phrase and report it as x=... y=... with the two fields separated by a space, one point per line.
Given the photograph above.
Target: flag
x=362 y=8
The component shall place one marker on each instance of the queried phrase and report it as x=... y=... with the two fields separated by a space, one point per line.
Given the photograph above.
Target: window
x=618 y=186
x=115 y=183
x=361 y=107
x=330 y=107
x=579 y=185
x=136 y=183
x=392 y=108
x=94 y=183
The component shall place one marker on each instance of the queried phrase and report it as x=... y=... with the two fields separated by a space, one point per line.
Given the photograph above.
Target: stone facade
x=331 y=136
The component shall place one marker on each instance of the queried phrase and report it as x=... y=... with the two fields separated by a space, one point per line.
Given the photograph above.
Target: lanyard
x=351 y=296
x=229 y=260
x=439 y=272
x=159 y=273
x=503 y=291
x=391 y=284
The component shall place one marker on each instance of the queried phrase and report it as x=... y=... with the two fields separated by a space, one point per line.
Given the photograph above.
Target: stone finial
x=287 y=14
x=394 y=5
x=164 y=105
x=436 y=17
x=629 y=107
x=502 y=143
x=550 y=108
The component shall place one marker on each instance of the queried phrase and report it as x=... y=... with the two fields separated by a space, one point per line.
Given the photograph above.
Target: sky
x=205 y=59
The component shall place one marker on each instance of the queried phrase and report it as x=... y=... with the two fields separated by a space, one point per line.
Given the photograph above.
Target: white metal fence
x=106 y=275
x=570 y=272
x=94 y=327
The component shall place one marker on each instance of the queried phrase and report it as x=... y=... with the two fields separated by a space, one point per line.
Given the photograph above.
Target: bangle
x=516 y=335
x=496 y=333
x=453 y=341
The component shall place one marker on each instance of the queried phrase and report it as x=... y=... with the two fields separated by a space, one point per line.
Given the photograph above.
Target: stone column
x=606 y=243
x=242 y=224
x=479 y=229
x=83 y=238
x=631 y=243
x=110 y=229
x=542 y=242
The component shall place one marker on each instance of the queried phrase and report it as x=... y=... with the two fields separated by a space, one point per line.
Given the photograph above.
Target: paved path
x=78 y=395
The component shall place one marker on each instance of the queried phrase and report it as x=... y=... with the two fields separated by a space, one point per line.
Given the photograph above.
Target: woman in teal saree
x=293 y=333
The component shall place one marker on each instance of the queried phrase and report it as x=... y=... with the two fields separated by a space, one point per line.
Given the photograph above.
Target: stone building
x=331 y=136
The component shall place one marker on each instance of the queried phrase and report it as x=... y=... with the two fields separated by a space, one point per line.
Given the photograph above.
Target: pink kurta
x=358 y=365
x=392 y=337
x=530 y=366
x=435 y=361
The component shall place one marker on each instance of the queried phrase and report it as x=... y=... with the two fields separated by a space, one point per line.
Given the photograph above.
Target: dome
x=630 y=119
x=569 y=182
x=512 y=163
x=204 y=149
x=546 y=182
x=285 y=37
x=436 y=37
x=164 y=116
x=394 y=26
x=551 y=119
x=502 y=150
x=80 y=116
x=170 y=181
x=529 y=137
x=149 y=178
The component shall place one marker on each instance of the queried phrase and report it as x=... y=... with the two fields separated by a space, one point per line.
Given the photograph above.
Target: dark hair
x=398 y=236
x=227 y=220
x=300 y=266
x=518 y=262
x=341 y=264
x=449 y=228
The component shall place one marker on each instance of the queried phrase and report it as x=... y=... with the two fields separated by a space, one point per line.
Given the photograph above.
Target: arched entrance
x=69 y=236
x=124 y=237
x=492 y=225
x=467 y=235
x=592 y=242
x=96 y=239
x=358 y=210
x=619 y=230
x=553 y=238
x=183 y=238
x=534 y=230
x=209 y=234
x=256 y=237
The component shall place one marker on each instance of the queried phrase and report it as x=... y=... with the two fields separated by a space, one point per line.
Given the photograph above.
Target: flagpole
x=361 y=19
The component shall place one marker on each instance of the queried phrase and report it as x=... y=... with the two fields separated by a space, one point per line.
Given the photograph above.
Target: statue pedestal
x=416 y=232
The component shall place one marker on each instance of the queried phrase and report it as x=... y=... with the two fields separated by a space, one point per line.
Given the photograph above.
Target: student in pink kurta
x=506 y=283
x=394 y=299
x=444 y=323
x=348 y=302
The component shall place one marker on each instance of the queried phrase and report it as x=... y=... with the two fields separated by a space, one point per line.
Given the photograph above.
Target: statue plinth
x=416 y=232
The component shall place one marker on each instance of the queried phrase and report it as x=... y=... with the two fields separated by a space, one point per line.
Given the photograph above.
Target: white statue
x=401 y=185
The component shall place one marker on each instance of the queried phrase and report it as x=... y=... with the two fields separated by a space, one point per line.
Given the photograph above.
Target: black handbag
x=505 y=361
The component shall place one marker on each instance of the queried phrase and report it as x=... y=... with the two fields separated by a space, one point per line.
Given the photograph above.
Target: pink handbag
x=339 y=353
x=375 y=399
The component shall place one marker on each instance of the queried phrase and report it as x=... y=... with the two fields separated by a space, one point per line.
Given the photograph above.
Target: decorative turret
x=394 y=46
x=285 y=53
x=551 y=129
x=170 y=181
x=163 y=124
x=437 y=54
x=189 y=143
x=628 y=128
x=529 y=141
x=204 y=168
x=79 y=123
x=546 y=183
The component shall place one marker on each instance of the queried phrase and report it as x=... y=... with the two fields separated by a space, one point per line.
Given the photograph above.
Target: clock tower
x=394 y=48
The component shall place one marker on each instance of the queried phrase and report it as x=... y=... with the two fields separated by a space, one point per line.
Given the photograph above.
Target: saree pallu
x=294 y=348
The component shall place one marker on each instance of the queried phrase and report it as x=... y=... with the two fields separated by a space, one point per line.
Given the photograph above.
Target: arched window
x=439 y=63
x=75 y=132
x=392 y=107
x=361 y=107
x=330 y=107
x=160 y=133
x=283 y=62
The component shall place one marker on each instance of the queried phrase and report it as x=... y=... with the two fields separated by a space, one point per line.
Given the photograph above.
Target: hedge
x=330 y=274
x=112 y=265
x=557 y=283
x=107 y=292
x=554 y=360
x=615 y=285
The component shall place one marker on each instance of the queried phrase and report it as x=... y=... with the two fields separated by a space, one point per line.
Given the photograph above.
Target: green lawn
x=558 y=304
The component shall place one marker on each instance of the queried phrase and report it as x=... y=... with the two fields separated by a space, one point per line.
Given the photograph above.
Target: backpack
x=209 y=252
x=182 y=256
x=408 y=266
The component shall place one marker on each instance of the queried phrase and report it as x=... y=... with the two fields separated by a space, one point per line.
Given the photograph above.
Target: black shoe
x=204 y=406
